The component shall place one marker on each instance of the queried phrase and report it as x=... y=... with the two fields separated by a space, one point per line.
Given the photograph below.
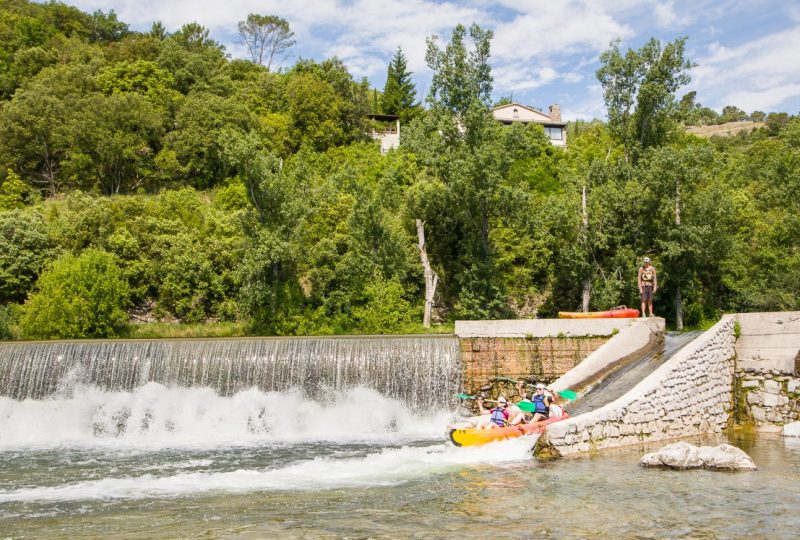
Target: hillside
x=725 y=130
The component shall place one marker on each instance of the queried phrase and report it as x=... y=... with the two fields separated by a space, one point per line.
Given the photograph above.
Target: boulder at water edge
x=726 y=458
x=682 y=455
x=791 y=430
x=679 y=455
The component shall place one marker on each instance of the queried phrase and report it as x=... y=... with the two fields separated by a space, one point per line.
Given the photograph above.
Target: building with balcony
x=554 y=128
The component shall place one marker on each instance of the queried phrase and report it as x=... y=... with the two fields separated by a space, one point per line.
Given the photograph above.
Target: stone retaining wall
x=542 y=359
x=689 y=395
x=530 y=349
x=767 y=398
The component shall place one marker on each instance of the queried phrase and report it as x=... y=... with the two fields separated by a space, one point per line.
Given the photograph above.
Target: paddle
x=569 y=395
x=526 y=406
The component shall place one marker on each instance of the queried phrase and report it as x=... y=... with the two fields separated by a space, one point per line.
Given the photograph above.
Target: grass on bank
x=157 y=330
x=161 y=330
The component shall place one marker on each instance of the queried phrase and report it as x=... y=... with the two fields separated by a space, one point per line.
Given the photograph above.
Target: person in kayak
x=542 y=401
x=648 y=284
x=498 y=416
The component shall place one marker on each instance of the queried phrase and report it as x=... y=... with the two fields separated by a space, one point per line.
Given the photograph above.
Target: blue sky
x=544 y=51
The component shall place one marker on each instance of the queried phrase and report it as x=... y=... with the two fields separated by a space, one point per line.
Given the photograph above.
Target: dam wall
x=690 y=394
x=768 y=369
x=537 y=349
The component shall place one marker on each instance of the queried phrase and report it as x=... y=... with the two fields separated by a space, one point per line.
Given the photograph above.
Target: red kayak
x=625 y=313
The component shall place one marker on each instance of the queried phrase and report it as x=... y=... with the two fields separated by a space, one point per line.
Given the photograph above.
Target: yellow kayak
x=478 y=436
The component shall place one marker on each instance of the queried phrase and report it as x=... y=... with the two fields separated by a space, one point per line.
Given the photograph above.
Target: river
x=167 y=462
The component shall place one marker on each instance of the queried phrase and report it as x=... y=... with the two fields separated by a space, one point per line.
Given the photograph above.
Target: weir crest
x=421 y=371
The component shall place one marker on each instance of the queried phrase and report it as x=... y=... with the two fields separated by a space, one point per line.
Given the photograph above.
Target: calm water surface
x=421 y=489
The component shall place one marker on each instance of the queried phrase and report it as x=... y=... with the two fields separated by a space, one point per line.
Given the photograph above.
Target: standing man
x=648 y=285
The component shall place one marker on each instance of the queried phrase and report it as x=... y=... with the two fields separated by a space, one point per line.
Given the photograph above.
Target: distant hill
x=724 y=130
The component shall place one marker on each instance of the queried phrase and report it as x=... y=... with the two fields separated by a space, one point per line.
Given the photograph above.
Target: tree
x=24 y=249
x=732 y=113
x=639 y=91
x=77 y=297
x=464 y=147
x=399 y=93
x=13 y=192
x=267 y=38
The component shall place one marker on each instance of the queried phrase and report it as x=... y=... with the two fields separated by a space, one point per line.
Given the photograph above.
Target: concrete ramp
x=623 y=379
x=633 y=342
x=690 y=394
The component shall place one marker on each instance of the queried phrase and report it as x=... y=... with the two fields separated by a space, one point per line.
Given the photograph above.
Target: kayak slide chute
x=479 y=436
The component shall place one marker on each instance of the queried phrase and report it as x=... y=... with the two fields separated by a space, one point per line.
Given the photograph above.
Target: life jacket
x=648 y=275
x=498 y=417
x=541 y=406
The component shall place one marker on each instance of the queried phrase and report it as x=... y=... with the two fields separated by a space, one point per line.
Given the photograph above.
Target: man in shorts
x=648 y=285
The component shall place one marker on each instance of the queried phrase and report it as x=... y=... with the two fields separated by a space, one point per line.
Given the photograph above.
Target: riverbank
x=161 y=330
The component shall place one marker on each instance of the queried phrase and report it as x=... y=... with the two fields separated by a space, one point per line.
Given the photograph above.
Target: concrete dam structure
x=640 y=384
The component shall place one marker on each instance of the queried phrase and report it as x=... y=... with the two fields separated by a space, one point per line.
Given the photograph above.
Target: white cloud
x=555 y=28
x=511 y=78
x=760 y=74
x=537 y=44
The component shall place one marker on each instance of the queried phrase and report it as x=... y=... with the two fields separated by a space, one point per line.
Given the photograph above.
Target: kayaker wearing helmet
x=498 y=416
x=542 y=402
x=648 y=284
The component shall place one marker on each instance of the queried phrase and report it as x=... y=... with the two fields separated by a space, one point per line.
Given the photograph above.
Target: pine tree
x=399 y=93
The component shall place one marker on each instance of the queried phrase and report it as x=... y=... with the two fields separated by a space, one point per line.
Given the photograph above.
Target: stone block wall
x=767 y=398
x=689 y=395
x=541 y=358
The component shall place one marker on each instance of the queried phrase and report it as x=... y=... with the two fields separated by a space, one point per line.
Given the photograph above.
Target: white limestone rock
x=682 y=455
x=772 y=400
x=679 y=455
x=791 y=430
x=653 y=459
x=726 y=458
x=772 y=387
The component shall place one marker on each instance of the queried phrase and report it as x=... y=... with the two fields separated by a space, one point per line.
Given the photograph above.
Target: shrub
x=24 y=249
x=77 y=297
x=386 y=311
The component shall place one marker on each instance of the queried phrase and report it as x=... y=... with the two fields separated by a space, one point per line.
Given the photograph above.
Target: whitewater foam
x=155 y=416
x=388 y=467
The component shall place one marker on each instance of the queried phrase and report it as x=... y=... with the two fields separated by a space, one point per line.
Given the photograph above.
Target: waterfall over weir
x=421 y=371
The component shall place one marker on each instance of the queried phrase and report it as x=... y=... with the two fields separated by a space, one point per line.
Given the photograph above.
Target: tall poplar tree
x=399 y=94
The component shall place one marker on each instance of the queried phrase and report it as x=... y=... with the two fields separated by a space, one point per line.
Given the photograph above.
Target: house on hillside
x=386 y=129
x=554 y=128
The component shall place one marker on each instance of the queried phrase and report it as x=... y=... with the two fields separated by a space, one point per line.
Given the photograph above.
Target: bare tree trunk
x=678 y=300
x=431 y=278
x=678 y=310
x=587 y=282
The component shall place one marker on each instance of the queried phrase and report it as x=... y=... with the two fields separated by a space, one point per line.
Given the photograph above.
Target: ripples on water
x=364 y=466
x=191 y=439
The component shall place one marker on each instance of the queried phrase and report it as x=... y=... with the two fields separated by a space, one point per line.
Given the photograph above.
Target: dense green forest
x=149 y=177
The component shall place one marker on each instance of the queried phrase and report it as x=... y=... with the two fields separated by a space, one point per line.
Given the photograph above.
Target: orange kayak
x=627 y=313
x=477 y=436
